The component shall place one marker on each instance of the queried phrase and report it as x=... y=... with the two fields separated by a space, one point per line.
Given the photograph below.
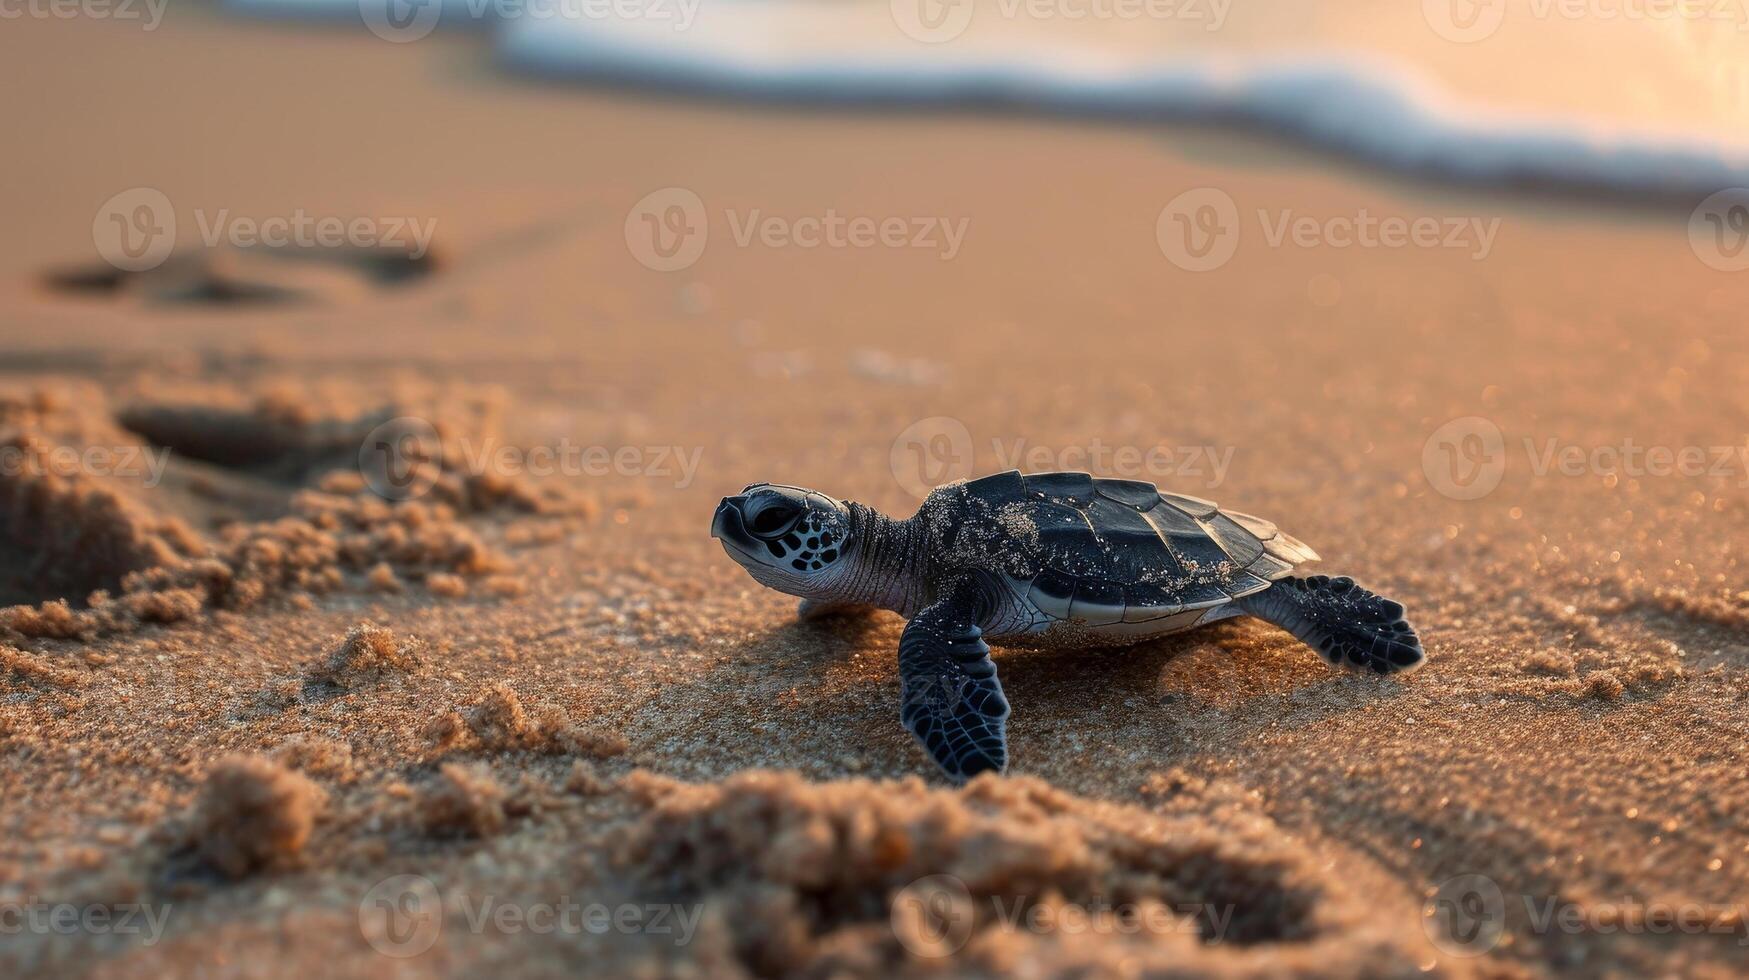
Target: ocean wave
x=1353 y=103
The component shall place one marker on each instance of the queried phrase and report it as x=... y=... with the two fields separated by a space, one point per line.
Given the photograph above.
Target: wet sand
x=581 y=696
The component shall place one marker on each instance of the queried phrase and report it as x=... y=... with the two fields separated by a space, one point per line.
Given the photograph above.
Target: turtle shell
x=1121 y=551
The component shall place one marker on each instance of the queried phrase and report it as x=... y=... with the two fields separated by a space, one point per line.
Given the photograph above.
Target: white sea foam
x=843 y=52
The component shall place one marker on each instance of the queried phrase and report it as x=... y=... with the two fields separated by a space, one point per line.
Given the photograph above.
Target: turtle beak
x=728 y=524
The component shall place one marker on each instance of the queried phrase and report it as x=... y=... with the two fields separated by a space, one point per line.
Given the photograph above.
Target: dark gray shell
x=1120 y=551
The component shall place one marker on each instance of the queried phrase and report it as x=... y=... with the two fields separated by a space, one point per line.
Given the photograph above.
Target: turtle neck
x=890 y=565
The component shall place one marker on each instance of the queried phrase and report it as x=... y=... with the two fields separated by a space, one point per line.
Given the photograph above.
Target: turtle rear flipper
x=1348 y=625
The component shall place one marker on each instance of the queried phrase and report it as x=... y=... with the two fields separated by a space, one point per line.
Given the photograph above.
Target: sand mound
x=498 y=722
x=819 y=878
x=29 y=668
x=253 y=814
x=71 y=538
x=369 y=652
x=464 y=801
x=64 y=531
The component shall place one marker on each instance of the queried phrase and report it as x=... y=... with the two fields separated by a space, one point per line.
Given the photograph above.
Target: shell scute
x=1194 y=506
x=1244 y=583
x=1131 y=493
x=1074 y=487
x=1264 y=530
x=998 y=487
x=1270 y=567
x=1133 y=548
x=1097 y=602
x=1115 y=552
x=1239 y=544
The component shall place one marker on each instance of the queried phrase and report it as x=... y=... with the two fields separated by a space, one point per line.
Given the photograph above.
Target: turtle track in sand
x=217 y=500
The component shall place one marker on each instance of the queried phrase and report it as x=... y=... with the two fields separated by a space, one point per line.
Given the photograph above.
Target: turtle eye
x=775 y=518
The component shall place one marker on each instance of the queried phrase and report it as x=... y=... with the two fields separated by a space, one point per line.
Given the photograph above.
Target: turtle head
x=788 y=538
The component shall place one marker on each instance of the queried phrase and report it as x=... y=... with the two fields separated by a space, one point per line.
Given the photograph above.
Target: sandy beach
x=537 y=683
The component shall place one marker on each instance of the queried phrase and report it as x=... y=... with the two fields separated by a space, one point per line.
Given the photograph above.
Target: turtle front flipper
x=951 y=699
x=1348 y=625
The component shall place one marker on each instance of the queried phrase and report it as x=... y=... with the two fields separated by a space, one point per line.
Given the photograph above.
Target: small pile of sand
x=368 y=652
x=16 y=664
x=465 y=801
x=70 y=538
x=253 y=814
x=66 y=533
x=315 y=756
x=813 y=878
x=498 y=722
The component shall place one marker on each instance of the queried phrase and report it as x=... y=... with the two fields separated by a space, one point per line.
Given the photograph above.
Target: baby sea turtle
x=1043 y=559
